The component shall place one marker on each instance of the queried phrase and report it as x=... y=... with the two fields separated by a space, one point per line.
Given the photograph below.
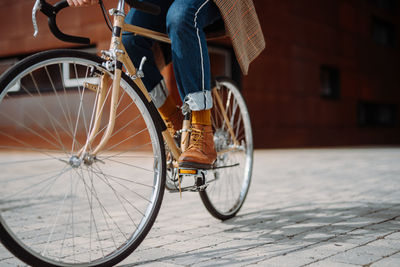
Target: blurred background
x=330 y=75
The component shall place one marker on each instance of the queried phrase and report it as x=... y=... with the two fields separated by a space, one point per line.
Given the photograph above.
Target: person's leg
x=139 y=46
x=185 y=22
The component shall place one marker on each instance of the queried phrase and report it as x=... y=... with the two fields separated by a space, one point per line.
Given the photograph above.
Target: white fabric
x=198 y=101
x=159 y=94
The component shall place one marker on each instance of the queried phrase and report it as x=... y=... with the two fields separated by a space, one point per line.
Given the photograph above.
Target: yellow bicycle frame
x=122 y=59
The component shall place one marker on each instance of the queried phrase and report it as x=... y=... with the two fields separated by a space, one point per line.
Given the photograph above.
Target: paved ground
x=306 y=207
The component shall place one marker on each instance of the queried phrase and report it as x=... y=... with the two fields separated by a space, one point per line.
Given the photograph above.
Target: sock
x=168 y=108
x=201 y=117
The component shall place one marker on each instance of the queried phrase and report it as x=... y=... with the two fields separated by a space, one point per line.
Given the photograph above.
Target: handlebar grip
x=51 y=12
x=145 y=7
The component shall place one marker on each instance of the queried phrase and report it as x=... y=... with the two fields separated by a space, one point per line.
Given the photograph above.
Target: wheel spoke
x=124 y=140
x=118 y=196
x=35 y=133
x=61 y=207
x=228 y=187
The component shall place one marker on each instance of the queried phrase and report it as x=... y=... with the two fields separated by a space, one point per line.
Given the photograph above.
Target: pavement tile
x=328 y=263
x=186 y=259
x=290 y=259
x=247 y=257
x=354 y=257
x=231 y=249
x=354 y=239
x=358 y=222
x=395 y=236
x=387 y=262
x=147 y=256
x=190 y=245
x=219 y=262
x=11 y=263
x=314 y=207
x=389 y=226
x=386 y=244
x=374 y=250
x=160 y=264
x=161 y=240
x=333 y=246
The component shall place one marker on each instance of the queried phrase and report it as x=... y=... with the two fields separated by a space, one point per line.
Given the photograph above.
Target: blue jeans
x=183 y=21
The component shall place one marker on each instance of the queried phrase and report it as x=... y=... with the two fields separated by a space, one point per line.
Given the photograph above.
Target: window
x=8 y=62
x=383 y=32
x=68 y=78
x=387 y=5
x=376 y=114
x=330 y=82
x=223 y=62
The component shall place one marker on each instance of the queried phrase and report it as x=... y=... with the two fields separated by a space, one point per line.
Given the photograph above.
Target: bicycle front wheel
x=59 y=208
x=229 y=183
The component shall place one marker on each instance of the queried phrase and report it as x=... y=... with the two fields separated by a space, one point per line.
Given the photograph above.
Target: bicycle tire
x=109 y=229
x=229 y=183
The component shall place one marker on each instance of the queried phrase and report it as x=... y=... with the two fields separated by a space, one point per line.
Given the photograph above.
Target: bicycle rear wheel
x=58 y=209
x=230 y=181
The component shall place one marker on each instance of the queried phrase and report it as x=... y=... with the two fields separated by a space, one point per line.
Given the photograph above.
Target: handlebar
x=52 y=11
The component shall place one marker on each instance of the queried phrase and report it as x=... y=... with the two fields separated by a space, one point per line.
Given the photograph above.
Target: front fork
x=113 y=63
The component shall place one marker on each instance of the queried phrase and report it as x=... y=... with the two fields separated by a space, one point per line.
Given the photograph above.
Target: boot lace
x=196 y=138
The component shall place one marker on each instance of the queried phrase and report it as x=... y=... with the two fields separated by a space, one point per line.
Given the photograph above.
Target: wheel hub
x=221 y=139
x=75 y=162
x=87 y=159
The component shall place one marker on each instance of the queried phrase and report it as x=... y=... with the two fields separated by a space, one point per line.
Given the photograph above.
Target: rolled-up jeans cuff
x=159 y=94
x=199 y=100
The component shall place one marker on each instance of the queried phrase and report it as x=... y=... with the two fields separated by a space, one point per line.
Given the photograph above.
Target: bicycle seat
x=215 y=30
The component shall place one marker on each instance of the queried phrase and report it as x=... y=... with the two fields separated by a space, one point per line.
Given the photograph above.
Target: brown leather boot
x=201 y=153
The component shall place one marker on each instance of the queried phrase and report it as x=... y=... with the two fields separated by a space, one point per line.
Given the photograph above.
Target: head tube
x=121 y=4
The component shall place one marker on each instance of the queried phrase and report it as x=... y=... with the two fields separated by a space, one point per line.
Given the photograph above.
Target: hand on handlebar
x=79 y=3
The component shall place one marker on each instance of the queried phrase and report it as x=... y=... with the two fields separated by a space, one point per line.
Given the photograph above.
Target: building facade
x=330 y=75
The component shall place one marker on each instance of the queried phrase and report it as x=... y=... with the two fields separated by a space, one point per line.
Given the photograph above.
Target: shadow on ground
x=273 y=232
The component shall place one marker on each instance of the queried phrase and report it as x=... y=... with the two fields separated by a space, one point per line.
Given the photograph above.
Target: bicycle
x=83 y=187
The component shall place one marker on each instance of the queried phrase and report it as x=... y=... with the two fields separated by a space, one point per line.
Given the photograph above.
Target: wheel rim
x=228 y=186
x=62 y=209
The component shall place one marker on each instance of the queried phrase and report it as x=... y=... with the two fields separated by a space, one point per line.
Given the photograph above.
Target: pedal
x=180 y=183
x=199 y=177
x=188 y=171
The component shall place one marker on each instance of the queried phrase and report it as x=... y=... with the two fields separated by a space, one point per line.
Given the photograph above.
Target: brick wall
x=284 y=82
x=283 y=89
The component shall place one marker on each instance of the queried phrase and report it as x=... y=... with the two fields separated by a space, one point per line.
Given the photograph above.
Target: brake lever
x=35 y=9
